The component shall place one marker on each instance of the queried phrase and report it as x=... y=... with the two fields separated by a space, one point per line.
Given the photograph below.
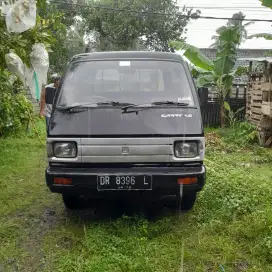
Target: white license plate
x=124 y=182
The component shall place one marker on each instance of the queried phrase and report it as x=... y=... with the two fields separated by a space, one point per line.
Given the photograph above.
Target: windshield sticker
x=176 y=115
x=184 y=100
x=124 y=63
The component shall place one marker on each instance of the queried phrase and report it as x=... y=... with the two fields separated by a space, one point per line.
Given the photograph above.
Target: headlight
x=65 y=150
x=186 y=149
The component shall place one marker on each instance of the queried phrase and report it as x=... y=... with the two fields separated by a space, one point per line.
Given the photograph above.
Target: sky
x=200 y=31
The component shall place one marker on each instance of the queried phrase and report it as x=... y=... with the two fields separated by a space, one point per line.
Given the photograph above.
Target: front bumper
x=164 y=179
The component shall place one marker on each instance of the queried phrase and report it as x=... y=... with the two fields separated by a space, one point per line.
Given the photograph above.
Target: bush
x=241 y=70
x=241 y=134
x=15 y=109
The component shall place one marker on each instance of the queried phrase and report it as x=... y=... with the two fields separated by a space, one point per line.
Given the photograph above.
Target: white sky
x=200 y=31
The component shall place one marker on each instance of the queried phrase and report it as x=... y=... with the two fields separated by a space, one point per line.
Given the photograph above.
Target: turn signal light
x=63 y=181
x=187 y=181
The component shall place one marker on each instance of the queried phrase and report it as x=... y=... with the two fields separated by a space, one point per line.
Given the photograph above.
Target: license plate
x=124 y=182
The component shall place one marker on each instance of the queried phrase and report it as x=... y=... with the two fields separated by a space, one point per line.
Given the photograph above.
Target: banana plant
x=267 y=3
x=219 y=72
x=231 y=116
x=236 y=20
x=267 y=36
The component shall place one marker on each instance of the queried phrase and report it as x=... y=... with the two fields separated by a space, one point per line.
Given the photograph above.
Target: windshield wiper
x=113 y=103
x=76 y=105
x=136 y=108
x=159 y=103
x=173 y=103
x=85 y=106
x=156 y=103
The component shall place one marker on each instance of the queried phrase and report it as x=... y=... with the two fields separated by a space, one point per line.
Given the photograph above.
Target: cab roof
x=119 y=55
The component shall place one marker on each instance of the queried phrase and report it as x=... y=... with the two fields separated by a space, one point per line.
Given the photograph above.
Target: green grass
x=229 y=228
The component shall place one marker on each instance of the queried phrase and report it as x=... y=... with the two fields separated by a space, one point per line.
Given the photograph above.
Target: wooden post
x=248 y=99
x=249 y=71
x=266 y=72
x=237 y=91
x=270 y=83
x=245 y=92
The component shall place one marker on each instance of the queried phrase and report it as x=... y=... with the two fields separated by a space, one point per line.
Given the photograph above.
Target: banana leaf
x=206 y=80
x=223 y=65
x=193 y=55
x=267 y=3
x=267 y=36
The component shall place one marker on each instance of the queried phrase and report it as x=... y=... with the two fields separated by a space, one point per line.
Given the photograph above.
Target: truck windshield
x=135 y=82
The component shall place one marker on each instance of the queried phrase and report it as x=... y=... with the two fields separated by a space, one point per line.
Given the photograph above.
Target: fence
x=211 y=109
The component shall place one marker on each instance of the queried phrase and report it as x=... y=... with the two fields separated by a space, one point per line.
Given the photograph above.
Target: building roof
x=260 y=59
x=128 y=55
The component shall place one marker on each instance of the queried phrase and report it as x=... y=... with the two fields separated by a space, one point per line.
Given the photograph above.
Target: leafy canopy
x=153 y=24
x=267 y=36
x=267 y=3
x=16 y=110
x=21 y=43
x=236 y=20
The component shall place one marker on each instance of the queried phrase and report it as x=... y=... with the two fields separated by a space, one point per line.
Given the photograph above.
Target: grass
x=229 y=228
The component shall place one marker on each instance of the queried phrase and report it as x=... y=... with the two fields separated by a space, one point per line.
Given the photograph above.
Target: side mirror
x=203 y=95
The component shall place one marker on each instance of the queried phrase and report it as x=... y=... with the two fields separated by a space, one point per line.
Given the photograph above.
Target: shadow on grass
x=113 y=209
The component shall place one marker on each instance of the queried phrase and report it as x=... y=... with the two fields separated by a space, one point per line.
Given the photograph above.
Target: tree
x=16 y=110
x=21 y=43
x=75 y=42
x=267 y=3
x=267 y=36
x=219 y=72
x=126 y=25
x=70 y=41
x=64 y=27
x=236 y=20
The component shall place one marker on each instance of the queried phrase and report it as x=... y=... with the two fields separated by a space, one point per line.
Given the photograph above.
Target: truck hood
x=110 y=122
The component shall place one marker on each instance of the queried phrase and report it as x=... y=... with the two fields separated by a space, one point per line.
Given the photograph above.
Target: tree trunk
x=222 y=115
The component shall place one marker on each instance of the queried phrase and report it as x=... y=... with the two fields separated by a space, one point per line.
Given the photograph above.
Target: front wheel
x=72 y=202
x=187 y=201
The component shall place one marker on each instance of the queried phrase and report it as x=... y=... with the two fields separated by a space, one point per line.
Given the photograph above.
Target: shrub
x=213 y=142
x=15 y=108
x=241 y=134
x=241 y=70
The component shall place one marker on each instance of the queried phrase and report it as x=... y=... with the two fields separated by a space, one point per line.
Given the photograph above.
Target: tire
x=72 y=202
x=186 y=204
x=188 y=201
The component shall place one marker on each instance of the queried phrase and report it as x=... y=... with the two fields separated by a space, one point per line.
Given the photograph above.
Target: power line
x=159 y=13
x=250 y=11
x=225 y=7
x=248 y=15
x=248 y=30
